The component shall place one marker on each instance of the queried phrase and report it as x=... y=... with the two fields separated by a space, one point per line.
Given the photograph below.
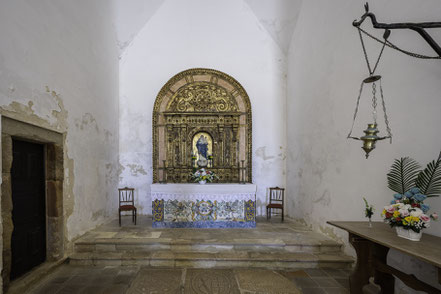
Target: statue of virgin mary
x=202 y=146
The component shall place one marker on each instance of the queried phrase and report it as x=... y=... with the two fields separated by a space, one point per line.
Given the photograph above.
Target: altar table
x=372 y=246
x=203 y=206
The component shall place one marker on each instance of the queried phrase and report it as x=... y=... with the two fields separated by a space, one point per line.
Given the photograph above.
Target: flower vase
x=370 y=223
x=202 y=182
x=408 y=234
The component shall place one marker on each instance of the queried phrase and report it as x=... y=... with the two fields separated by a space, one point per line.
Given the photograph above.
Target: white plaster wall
x=278 y=17
x=130 y=17
x=328 y=174
x=59 y=70
x=222 y=35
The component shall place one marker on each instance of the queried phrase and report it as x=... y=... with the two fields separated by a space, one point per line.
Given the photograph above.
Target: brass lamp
x=371 y=137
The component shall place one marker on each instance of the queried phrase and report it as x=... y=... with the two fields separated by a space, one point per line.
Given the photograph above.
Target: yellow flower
x=404 y=222
x=415 y=219
x=408 y=219
x=384 y=212
x=396 y=213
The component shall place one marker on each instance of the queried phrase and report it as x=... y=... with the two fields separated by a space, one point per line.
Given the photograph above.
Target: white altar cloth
x=220 y=192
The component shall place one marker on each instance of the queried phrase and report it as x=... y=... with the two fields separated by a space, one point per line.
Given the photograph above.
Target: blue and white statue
x=202 y=146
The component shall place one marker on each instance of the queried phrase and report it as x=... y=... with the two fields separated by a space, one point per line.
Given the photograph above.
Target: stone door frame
x=54 y=177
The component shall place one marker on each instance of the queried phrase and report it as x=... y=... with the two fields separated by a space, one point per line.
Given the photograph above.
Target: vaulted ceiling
x=277 y=17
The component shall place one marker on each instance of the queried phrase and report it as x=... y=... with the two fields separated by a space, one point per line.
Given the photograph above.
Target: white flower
x=403 y=212
x=417 y=212
x=400 y=205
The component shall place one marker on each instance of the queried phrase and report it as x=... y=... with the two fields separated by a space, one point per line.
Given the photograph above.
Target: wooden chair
x=276 y=200
x=127 y=202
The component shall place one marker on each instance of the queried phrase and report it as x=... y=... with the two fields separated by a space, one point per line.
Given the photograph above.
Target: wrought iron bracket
x=420 y=28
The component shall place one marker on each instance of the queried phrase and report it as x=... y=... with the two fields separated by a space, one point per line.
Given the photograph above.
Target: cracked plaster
x=53 y=77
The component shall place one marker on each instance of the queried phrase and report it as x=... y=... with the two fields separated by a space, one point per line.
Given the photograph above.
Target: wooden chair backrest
x=126 y=196
x=276 y=194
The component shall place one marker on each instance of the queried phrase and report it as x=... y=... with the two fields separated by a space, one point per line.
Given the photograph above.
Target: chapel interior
x=142 y=142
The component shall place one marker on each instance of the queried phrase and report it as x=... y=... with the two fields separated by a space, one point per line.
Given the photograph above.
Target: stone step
x=169 y=259
x=201 y=246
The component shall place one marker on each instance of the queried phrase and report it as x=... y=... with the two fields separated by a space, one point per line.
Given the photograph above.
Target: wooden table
x=372 y=246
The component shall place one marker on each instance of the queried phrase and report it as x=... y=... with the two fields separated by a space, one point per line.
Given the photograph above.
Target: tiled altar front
x=203 y=206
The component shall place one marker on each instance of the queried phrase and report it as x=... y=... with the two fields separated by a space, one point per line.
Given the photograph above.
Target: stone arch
x=196 y=100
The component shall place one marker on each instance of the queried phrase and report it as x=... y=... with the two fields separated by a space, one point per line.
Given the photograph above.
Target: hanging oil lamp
x=371 y=137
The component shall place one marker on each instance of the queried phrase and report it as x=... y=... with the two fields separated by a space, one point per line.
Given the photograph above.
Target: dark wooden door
x=29 y=208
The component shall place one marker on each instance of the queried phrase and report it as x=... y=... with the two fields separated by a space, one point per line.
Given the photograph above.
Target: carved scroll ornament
x=202 y=97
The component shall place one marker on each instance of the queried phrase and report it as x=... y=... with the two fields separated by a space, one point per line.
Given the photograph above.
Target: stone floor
x=70 y=279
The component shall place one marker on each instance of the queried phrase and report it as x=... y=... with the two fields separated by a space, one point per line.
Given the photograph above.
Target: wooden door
x=28 y=243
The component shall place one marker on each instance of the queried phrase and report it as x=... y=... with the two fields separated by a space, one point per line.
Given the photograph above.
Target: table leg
x=385 y=280
x=363 y=269
x=439 y=275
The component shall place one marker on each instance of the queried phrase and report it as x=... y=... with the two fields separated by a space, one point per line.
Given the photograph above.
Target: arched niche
x=195 y=101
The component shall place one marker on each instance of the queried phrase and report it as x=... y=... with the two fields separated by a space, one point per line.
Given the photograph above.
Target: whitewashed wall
x=328 y=174
x=222 y=35
x=59 y=70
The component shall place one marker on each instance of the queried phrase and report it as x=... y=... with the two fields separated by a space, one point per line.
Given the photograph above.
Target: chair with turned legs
x=127 y=202
x=276 y=200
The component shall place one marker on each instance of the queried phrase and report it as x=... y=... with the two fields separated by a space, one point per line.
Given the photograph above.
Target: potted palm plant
x=407 y=211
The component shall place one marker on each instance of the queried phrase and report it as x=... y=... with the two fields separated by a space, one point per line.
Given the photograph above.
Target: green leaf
x=403 y=174
x=429 y=180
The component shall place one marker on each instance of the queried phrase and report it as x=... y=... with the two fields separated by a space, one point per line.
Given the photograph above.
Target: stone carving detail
x=202 y=97
x=203 y=282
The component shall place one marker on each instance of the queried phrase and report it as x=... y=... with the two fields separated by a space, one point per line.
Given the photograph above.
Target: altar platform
x=203 y=206
x=271 y=245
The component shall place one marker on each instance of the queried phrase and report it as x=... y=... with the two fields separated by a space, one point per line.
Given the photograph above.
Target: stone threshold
x=30 y=279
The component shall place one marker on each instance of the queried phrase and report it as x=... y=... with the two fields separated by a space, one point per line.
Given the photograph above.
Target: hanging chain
x=356 y=111
x=386 y=120
x=391 y=45
x=371 y=72
x=379 y=56
x=374 y=102
x=374 y=88
x=365 y=53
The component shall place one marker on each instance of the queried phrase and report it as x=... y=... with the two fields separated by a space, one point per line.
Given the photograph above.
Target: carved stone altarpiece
x=202 y=101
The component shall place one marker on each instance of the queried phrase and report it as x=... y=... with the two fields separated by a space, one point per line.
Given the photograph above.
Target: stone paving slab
x=152 y=281
x=210 y=281
x=264 y=281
